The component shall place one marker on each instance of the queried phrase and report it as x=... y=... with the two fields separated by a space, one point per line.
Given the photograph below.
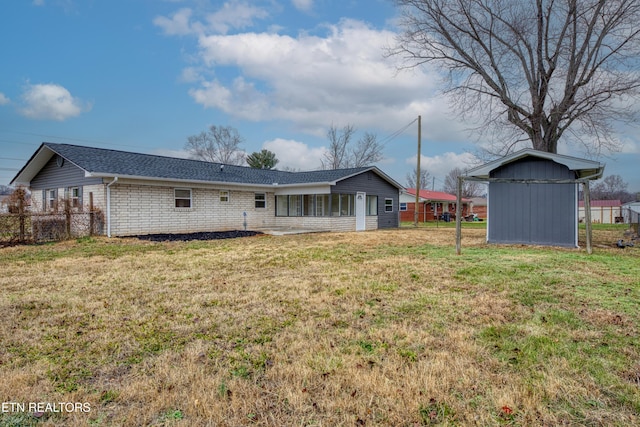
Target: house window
x=372 y=205
x=388 y=205
x=335 y=205
x=322 y=205
x=403 y=206
x=50 y=200
x=347 y=205
x=224 y=196
x=75 y=197
x=295 y=206
x=182 y=197
x=307 y=205
x=260 y=200
x=282 y=205
x=304 y=205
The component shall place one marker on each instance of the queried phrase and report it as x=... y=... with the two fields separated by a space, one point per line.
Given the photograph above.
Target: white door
x=361 y=199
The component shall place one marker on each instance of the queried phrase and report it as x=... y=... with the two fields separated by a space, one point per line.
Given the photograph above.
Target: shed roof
x=586 y=169
x=106 y=163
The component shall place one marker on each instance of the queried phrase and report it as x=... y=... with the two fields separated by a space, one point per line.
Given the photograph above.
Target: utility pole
x=417 y=206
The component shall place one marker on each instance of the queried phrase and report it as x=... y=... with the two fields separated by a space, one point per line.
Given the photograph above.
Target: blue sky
x=143 y=75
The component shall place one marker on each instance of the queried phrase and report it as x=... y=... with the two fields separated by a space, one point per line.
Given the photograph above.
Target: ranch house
x=147 y=194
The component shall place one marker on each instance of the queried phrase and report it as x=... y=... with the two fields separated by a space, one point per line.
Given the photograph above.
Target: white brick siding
x=329 y=223
x=146 y=209
x=137 y=209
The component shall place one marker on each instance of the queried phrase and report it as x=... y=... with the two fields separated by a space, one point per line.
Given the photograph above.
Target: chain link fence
x=20 y=226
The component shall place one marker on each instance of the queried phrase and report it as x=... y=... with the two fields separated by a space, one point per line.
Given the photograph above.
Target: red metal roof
x=437 y=196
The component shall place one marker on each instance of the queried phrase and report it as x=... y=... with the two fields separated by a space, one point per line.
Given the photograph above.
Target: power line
x=397 y=133
x=108 y=144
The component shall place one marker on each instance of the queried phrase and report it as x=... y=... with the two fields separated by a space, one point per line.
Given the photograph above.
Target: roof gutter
x=115 y=179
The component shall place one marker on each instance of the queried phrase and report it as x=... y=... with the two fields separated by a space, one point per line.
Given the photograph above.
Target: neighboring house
x=533 y=197
x=432 y=205
x=4 y=203
x=479 y=206
x=602 y=211
x=144 y=194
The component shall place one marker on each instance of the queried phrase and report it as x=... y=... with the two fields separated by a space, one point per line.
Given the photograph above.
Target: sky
x=144 y=75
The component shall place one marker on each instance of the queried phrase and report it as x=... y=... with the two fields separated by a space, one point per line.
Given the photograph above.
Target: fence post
x=587 y=213
x=21 y=217
x=67 y=214
x=91 y=214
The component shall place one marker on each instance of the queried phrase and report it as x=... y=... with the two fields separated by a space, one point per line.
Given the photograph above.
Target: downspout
x=115 y=179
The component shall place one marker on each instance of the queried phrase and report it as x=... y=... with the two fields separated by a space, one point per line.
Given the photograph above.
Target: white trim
x=115 y=179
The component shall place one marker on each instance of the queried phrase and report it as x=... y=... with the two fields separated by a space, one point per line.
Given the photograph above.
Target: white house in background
x=602 y=211
x=147 y=194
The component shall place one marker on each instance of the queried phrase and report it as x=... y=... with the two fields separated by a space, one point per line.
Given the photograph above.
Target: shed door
x=360 y=211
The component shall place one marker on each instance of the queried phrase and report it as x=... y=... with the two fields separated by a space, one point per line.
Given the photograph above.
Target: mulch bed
x=209 y=235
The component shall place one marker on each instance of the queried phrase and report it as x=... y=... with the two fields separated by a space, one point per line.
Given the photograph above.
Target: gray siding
x=54 y=176
x=532 y=213
x=374 y=185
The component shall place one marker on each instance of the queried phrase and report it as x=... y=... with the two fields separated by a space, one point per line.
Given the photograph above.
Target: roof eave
x=31 y=168
x=205 y=182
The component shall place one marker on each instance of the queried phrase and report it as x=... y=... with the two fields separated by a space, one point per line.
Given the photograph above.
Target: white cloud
x=38 y=2
x=177 y=25
x=233 y=14
x=294 y=154
x=181 y=154
x=51 y=102
x=439 y=166
x=3 y=99
x=336 y=75
x=303 y=5
x=629 y=146
x=341 y=77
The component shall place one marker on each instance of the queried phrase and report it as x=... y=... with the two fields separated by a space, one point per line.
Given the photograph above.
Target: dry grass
x=374 y=328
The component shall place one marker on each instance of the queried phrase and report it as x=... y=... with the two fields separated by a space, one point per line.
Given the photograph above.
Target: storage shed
x=533 y=197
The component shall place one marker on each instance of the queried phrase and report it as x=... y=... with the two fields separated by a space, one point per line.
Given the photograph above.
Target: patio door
x=361 y=204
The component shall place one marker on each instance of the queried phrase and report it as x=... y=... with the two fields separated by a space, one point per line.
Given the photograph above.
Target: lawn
x=383 y=328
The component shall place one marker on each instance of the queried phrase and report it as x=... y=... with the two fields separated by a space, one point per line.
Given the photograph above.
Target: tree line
x=223 y=144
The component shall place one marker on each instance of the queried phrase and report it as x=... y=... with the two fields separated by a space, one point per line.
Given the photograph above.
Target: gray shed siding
x=542 y=214
x=374 y=185
x=54 y=176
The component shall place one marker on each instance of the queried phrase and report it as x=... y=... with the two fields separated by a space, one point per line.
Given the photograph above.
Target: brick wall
x=137 y=209
x=328 y=223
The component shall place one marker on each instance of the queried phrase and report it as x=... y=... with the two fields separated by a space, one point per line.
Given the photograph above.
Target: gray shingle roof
x=582 y=167
x=106 y=162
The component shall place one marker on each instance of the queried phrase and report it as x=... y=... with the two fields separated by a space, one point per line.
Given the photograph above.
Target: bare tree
x=367 y=151
x=469 y=188
x=342 y=154
x=612 y=187
x=545 y=69
x=424 y=178
x=337 y=155
x=220 y=144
